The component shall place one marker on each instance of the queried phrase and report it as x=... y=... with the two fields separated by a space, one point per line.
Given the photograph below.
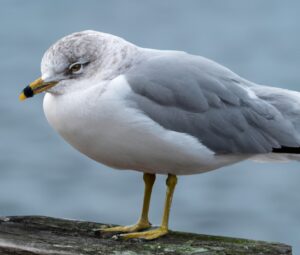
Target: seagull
x=160 y=112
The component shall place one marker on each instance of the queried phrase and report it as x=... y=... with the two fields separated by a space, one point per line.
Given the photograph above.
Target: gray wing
x=285 y=101
x=194 y=95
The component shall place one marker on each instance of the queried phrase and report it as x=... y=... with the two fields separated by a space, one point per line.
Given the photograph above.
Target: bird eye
x=75 y=68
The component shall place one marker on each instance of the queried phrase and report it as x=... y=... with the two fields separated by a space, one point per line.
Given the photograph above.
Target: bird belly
x=107 y=130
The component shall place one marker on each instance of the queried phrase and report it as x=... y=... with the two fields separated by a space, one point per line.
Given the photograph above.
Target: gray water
x=41 y=174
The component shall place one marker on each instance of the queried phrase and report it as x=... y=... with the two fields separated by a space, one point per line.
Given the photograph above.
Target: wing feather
x=193 y=95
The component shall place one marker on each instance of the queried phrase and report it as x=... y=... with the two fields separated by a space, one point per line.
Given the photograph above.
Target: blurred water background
x=40 y=174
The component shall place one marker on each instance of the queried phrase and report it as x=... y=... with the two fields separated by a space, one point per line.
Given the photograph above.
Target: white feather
x=102 y=126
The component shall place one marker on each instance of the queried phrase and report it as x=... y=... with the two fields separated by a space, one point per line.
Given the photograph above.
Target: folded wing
x=199 y=97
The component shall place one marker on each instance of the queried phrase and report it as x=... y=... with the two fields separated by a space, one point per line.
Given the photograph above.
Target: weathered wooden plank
x=32 y=235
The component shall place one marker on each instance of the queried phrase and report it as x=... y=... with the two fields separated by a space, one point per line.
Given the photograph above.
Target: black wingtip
x=288 y=150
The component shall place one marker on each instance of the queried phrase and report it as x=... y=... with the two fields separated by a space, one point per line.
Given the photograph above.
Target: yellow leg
x=143 y=222
x=163 y=229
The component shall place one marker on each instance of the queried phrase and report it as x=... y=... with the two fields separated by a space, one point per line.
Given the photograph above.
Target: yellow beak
x=36 y=87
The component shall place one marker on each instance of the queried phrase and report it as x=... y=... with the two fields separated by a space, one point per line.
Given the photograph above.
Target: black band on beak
x=28 y=92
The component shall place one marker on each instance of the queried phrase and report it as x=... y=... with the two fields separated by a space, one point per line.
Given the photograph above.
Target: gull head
x=74 y=61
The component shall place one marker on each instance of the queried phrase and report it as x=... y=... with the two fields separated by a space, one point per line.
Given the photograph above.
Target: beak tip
x=22 y=97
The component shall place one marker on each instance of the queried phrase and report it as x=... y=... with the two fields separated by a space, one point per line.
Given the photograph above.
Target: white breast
x=102 y=126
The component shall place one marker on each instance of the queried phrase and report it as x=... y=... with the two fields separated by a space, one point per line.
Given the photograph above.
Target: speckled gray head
x=81 y=48
x=78 y=57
